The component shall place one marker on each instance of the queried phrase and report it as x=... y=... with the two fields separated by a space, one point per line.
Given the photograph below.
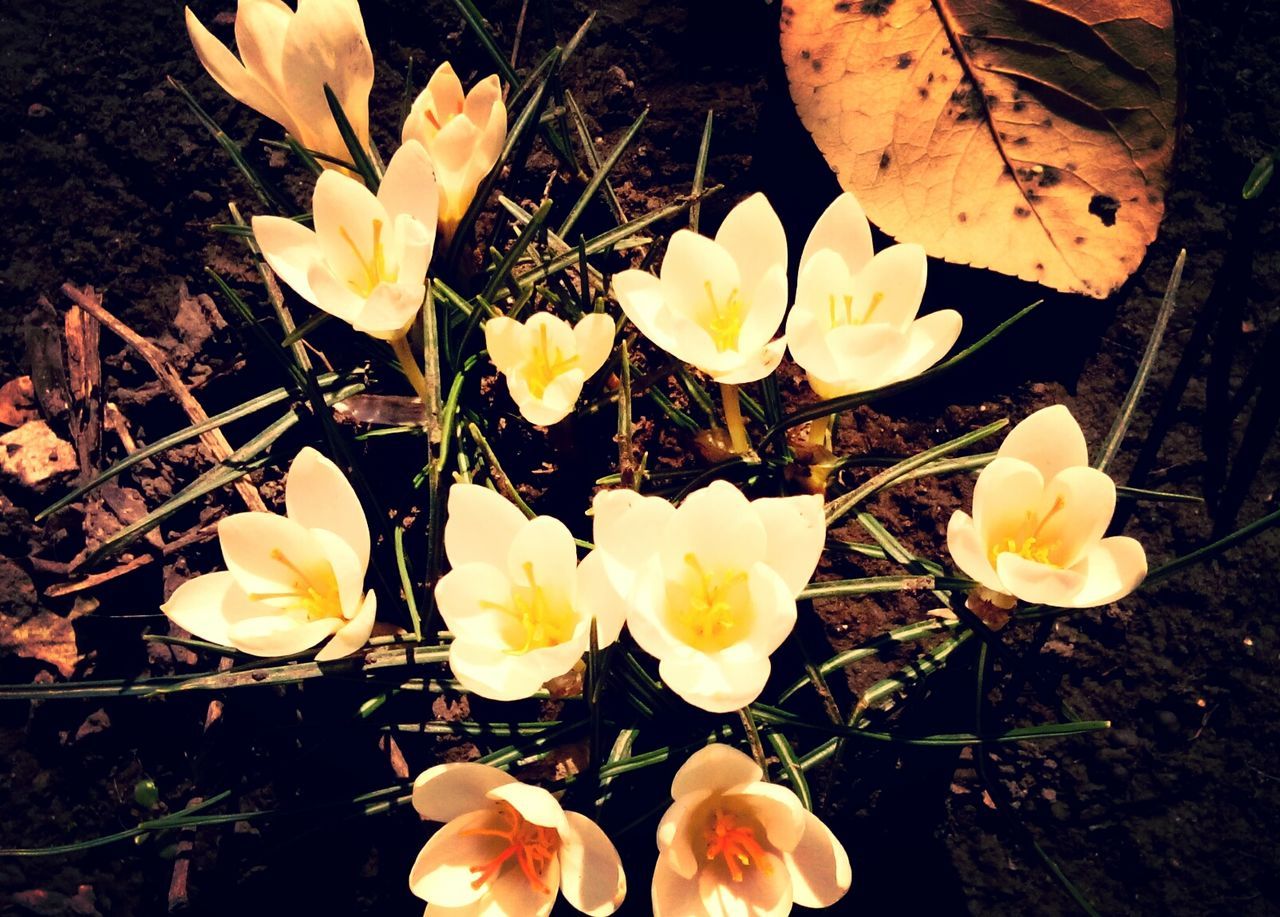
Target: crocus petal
x=1036 y=583
x=1113 y=568
x=807 y=341
x=507 y=341
x=714 y=683
x=647 y=615
x=280 y=634
x=865 y=355
x=796 y=530
x=291 y=250
x=755 y=367
x=264 y=552
x=409 y=185
x=768 y=306
x=692 y=264
x=208 y=605
x=764 y=891
x=481 y=526
x=534 y=804
x=513 y=895
x=591 y=876
x=1088 y=501
x=484 y=108
x=928 y=340
x=442 y=872
x=628 y=530
x=473 y=599
x=390 y=309
x=447 y=791
x=774 y=606
x=594 y=336
x=842 y=229
x=898 y=275
x=354 y=634
x=675 y=839
x=545 y=546
x=500 y=674
x=232 y=76
x=753 y=236
x=318 y=495
x=970 y=552
x=777 y=808
x=674 y=895
x=598 y=598
x=716 y=524
x=345 y=213
x=1007 y=490
x=333 y=295
x=347 y=571
x=1050 y=439
x=260 y=29
x=326 y=43
x=818 y=866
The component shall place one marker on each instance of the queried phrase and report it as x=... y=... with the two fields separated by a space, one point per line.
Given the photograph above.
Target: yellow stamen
x=1032 y=547
x=735 y=843
x=544 y=619
x=847 y=318
x=724 y=324
x=374 y=267
x=542 y=368
x=318 y=599
x=533 y=847
x=710 y=613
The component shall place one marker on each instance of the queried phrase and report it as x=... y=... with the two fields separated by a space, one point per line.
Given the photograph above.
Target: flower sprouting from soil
x=1039 y=516
x=463 y=132
x=717 y=303
x=710 y=586
x=291 y=581
x=546 y=360
x=287 y=58
x=853 y=327
x=731 y=844
x=506 y=847
x=518 y=602
x=366 y=261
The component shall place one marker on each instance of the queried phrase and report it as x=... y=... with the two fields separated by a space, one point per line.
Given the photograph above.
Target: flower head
x=853 y=327
x=287 y=58
x=366 y=261
x=546 y=360
x=717 y=303
x=464 y=134
x=518 y=602
x=710 y=586
x=731 y=844
x=291 y=581
x=506 y=847
x=1039 y=516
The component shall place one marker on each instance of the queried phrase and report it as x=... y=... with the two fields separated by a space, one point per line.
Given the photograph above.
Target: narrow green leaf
x=1259 y=177
x=791 y=768
x=601 y=174
x=359 y=155
x=700 y=171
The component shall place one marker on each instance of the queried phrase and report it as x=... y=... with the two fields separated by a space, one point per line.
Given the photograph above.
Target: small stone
x=33 y=454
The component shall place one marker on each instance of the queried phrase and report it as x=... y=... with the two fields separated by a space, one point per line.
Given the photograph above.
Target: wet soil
x=108 y=180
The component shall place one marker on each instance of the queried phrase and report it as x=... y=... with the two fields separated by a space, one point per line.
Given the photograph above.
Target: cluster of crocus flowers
x=507 y=847
x=709 y=586
x=732 y=844
x=853 y=327
x=287 y=58
x=546 y=360
x=517 y=600
x=1039 y=516
x=464 y=133
x=291 y=581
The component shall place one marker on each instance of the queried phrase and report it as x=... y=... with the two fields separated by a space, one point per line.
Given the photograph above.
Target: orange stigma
x=531 y=846
x=735 y=843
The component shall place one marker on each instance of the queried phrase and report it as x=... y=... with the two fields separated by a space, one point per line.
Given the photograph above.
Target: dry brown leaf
x=45 y=636
x=1032 y=137
x=18 y=402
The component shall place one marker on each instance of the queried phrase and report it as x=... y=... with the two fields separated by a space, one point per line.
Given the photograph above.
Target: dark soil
x=108 y=180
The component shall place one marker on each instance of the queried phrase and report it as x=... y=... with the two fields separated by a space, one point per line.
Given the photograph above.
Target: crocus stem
x=409 y=364
x=753 y=739
x=733 y=418
x=818 y=430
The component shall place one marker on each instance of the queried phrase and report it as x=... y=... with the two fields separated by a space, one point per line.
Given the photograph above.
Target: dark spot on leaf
x=922 y=92
x=1050 y=177
x=1047 y=122
x=1079 y=240
x=804 y=55
x=930 y=78
x=962 y=217
x=816 y=65
x=1021 y=211
x=904 y=60
x=992 y=100
x=1071 y=167
x=1007 y=171
x=875 y=7
x=1020 y=141
x=1032 y=194
x=843 y=6
x=980 y=32
x=1153 y=198
x=885 y=160
x=1019 y=106
x=1104 y=208
x=1039 y=267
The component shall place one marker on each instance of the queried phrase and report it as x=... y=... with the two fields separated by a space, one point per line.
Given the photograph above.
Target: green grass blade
x=359 y=155
x=700 y=171
x=601 y=174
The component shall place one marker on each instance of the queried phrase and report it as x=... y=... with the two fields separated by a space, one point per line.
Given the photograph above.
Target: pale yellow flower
x=286 y=58
x=1039 y=517
x=291 y=581
x=506 y=847
x=853 y=327
x=733 y=845
x=463 y=132
x=546 y=360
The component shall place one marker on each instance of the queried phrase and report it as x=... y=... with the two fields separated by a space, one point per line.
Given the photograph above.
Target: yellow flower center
x=1032 y=547
x=709 y=610
x=374 y=267
x=729 y=839
x=843 y=315
x=724 y=321
x=544 y=619
x=542 y=368
x=314 y=591
x=532 y=848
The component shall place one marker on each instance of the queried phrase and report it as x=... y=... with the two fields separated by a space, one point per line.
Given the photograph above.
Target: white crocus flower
x=291 y=581
x=853 y=327
x=506 y=847
x=366 y=261
x=546 y=360
x=518 y=602
x=717 y=304
x=464 y=134
x=286 y=58
x=710 y=586
x=1039 y=516
x=733 y=845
